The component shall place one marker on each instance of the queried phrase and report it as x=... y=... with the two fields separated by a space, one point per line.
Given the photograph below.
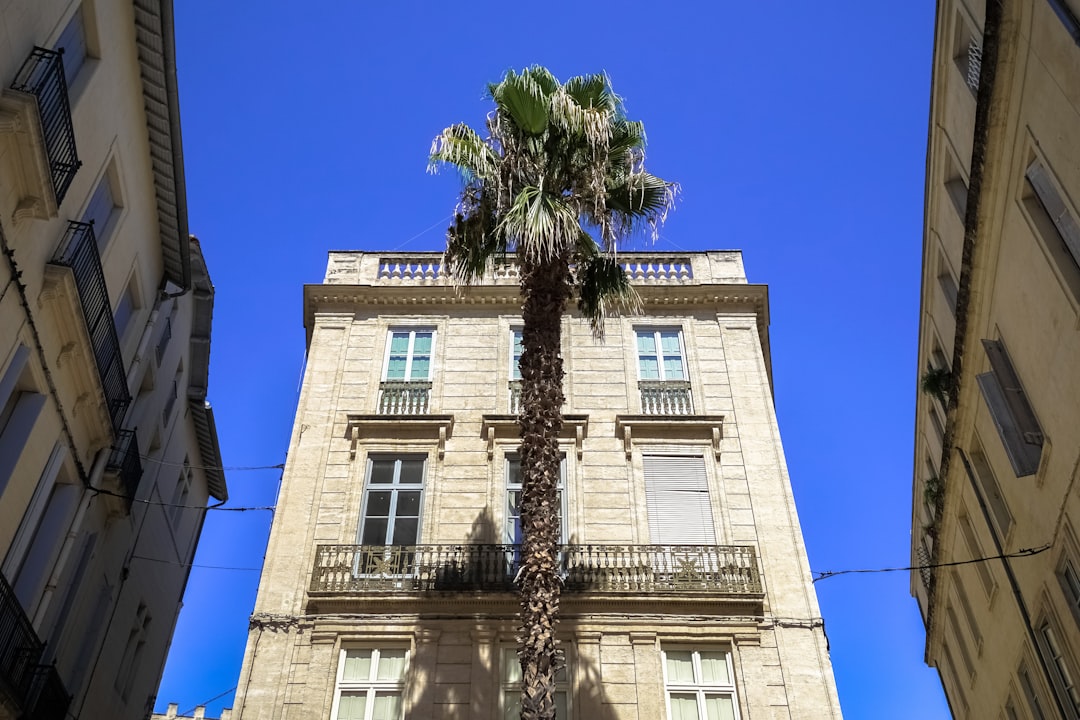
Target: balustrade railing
x=655 y=569
x=42 y=75
x=404 y=397
x=666 y=397
x=78 y=250
x=515 y=397
x=429 y=270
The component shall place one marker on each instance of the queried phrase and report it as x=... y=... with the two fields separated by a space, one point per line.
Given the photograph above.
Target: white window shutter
x=677 y=496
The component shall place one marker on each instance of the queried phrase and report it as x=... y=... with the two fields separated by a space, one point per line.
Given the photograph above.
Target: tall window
x=392 y=500
x=510 y=688
x=1070 y=584
x=73 y=42
x=660 y=354
x=20 y=405
x=1031 y=695
x=1064 y=677
x=515 y=353
x=1012 y=412
x=133 y=651
x=699 y=685
x=991 y=490
x=370 y=684
x=180 y=494
x=677 y=495
x=408 y=356
x=512 y=530
x=103 y=209
x=1052 y=201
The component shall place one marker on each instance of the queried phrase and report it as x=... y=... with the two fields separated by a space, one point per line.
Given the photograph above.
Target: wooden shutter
x=1015 y=398
x=1023 y=456
x=677 y=496
x=1055 y=207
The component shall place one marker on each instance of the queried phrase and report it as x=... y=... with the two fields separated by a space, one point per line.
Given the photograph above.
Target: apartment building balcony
x=33 y=689
x=78 y=251
x=404 y=397
x=125 y=464
x=630 y=570
x=37 y=113
x=666 y=397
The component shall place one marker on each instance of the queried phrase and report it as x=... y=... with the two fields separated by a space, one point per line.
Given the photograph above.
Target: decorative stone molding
x=505 y=427
x=653 y=427
x=434 y=427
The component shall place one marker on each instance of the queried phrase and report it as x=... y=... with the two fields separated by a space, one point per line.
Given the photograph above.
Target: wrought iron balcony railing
x=632 y=569
x=35 y=688
x=404 y=397
x=78 y=251
x=665 y=397
x=124 y=460
x=42 y=75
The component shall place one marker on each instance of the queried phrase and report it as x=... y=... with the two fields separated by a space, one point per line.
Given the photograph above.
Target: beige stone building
x=387 y=587
x=199 y=713
x=108 y=449
x=997 y=453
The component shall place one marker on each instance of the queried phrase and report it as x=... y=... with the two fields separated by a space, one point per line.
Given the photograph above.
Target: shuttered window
x=677 y=495
x=1013 y=416
x=1050 y=198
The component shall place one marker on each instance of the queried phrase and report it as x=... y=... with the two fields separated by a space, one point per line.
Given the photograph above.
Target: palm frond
x=626 y=135
x=593 y=91
x=459 y=145
x=525 y=98
x=643 y=195
x=539 y=224
x=473 y=240
x=603 y=290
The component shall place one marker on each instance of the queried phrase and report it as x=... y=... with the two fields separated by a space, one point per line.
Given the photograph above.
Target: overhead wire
x=1023 y=552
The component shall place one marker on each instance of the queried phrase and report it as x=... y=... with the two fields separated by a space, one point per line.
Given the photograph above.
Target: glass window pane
x=673 y=369
x=513 y=470
x=669 y=343
x=719 y=707
x=422 y=344
x=561 y=705
x=399 y=343
x=378 y=504
x=382 y=471
x=412 y=471
x=511 y=667
x=650 y=369
x=421 y=367
x=406 y=531
x=374 y=532
x=395 y=368
x=357 y=666
x=387 y=706
x=408 y=504
x=512 y=705
x=646 y=343
x=517 y=343
x=683 y=707
x=714 y=669
x=351 y=706
x=680 y=666
x=391 y=664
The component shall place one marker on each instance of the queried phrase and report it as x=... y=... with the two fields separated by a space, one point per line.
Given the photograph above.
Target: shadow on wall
x=452 y=681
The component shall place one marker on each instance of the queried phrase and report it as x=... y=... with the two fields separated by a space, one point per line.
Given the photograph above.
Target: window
x=1027 y=687
x=1010 y=709
x=660 y=354
x=103 y=210
x=974 y=551
x=1054 y=204
x=408 y=355
x=125 y=310
x=510 y=688
x=73 y=42
x=677 y=496
x=1064 y=678
x=133 y=651
x=180 y=494
x=515 y=354
x=512 y=530
x=1070 y=584
x=699 y=685
x=1012 y=413
x=991 y=490
x=370 y=684
x=392 y=500
x=20 y=405
x=948 y=289
x=968 y=57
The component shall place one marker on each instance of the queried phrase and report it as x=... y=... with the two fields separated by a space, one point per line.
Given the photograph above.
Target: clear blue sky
x=798 y=133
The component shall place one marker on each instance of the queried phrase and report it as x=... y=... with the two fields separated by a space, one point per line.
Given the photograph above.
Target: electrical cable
x=1022 y=552
x=195 y=565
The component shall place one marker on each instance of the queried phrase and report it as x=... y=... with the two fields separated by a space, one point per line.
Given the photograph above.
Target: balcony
x=604 y=569
x=78 y=251
x=42 y=77
x=665 y=397
x=125 y=462
x=34 y=688
x=404 y=397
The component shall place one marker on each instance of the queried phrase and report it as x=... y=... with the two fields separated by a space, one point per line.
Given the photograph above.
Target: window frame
x=509 y=487
x=409 y=356
x=372 y=685
x=1063 y=671
x=656 y=331
x=508 y=686
x=1011 y=410
x=395 y=486
x=699 y=688
x=515 y=358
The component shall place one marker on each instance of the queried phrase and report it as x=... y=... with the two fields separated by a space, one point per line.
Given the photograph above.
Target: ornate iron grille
x=42 y=75
x=78 y=251
x=665 y=397
x=655 y=569
x=124 y=460
x=404 y=397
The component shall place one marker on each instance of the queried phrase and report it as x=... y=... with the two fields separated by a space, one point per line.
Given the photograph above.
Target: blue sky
x=798 y=133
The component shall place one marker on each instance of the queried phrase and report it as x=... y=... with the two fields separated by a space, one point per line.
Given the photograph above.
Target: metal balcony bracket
x=438 y=428
x=656 y=427
x=505 y=428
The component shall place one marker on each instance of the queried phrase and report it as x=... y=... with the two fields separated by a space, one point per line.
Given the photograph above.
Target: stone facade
x=410 y=377
x=108 y=450
x=996 y=455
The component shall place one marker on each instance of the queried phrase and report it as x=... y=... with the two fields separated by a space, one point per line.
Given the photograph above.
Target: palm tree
x=559 y=182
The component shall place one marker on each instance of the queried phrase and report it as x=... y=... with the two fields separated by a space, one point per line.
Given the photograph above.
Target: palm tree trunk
x=546 y=290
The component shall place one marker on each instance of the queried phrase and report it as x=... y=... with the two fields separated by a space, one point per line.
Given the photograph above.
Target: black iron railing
x=78 y=251
x=34 y=687
x=124 y=460
x=42 y=75
x=404 y=397
x=632 y=569
x=665 y=397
